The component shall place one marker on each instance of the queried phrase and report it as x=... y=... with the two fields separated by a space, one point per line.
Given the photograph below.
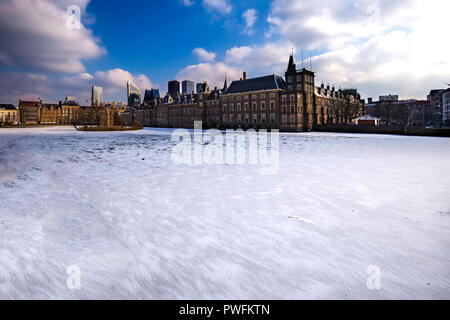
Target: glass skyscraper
x=97 y=96
x=134 y=94
x=188 y=86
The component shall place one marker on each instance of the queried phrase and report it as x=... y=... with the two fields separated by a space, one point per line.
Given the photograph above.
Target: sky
x=378 y=46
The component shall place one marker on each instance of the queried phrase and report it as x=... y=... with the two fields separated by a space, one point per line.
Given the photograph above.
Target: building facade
x=133 y=94
x=446 y=107
x=97 y=96
x=188 y=87
x=174 y=88
x=269 y=102
x=9 y=114
x=51 y=114
x=30 y=111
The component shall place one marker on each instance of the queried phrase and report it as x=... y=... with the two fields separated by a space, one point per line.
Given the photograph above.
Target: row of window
x=254 y=118
x=238 y=108
x=254 y=97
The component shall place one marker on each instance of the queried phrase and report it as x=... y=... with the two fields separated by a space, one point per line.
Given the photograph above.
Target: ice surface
x=141 y=227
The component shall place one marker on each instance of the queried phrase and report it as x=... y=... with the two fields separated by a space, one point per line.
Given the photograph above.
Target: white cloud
x=188 y=3
x=41 y=38
x=115 y=80
x=250 y=17
x=383 y=46
x=204 y=55
x=214 y=73
x=220 y=6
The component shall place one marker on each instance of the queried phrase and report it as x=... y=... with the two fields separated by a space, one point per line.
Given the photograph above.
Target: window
x=254 y=97
x=292 y=98
x=263 y=106
x=284 y=109
x=224 y=108
x=272 y=105
x=263 y=96
x=246 y=98
x=246 y=106
x=284 y=99
x=292 y=119
x=272 y=117
x=239 y=98
x=272 y=95
x=254 y=107
x=239 y=119
x=293 y=109
x=263 y=118
x=239 y=107
x=255 y=118
x=231 y=117
x=232 y=107
x=225 y=118
x=284 y=118
x=247 y=117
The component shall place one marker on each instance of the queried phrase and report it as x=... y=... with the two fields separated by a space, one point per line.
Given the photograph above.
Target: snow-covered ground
x=140 y=226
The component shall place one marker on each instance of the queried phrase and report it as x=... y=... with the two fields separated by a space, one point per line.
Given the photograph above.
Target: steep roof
x=271 y=82
x=7 y=107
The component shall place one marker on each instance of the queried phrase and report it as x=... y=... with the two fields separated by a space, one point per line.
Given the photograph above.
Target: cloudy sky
x=378 y=46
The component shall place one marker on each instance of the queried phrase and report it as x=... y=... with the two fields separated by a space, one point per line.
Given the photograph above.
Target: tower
x=300 y=87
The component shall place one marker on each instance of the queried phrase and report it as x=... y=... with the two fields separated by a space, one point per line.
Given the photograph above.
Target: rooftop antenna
x=302 y=59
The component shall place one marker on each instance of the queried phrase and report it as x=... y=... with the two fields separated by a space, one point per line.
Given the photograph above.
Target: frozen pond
x=140 y=226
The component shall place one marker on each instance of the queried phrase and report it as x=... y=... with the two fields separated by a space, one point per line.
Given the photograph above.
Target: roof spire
x=225 y=85
x=291 y=66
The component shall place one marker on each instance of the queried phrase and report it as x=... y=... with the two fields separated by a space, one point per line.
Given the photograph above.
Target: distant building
x=30 y=111
x=367 y=121
x=411 y=112
x=133 y=94
x=151 y=97
x=70 y=109
x=97 y=96
x=51 y=114
x=9 y=114
x=388 y=98
x=446 y=107
x=188 y=86
x=202 y=87
x=174 y=88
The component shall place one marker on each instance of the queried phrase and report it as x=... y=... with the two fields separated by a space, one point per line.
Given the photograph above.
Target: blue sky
x=157 y=37
x=377 y=46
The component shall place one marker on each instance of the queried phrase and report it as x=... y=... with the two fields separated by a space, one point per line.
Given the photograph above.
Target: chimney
x=244 y=75
x=328 y=87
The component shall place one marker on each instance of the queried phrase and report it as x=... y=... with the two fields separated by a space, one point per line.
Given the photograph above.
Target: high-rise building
x=174 y=88
x=188 y=86
x=134 y=94
x=97 y=96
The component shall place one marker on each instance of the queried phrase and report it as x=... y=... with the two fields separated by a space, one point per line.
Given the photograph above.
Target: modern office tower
x=134 y=94
x=97 y=96
x=188 y=86
x=174 y=88
x=151 y=97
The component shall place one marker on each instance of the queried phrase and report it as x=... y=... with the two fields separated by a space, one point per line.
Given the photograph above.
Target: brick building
x=51 y=114
x=30 y=111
